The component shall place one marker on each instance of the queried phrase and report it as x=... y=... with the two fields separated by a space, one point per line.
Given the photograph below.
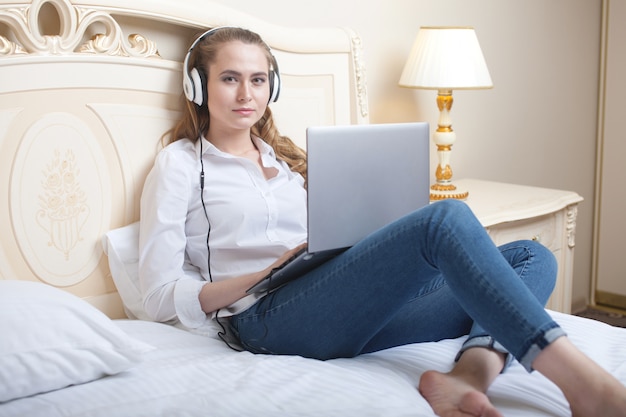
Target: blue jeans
x=433 y=274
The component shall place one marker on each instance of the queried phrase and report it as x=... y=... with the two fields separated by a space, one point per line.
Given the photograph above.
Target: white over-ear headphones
x=194 y=81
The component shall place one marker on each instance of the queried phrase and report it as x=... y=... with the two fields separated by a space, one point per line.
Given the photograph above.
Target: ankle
x=478 y=367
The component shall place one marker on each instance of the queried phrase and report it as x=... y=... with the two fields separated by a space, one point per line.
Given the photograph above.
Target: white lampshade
x=446 y=58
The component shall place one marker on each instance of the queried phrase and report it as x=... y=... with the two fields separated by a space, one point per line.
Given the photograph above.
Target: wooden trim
x=599 y=151
x=610 y=299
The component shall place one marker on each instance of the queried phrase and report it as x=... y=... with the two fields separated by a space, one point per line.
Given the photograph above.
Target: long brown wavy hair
x=195 y=119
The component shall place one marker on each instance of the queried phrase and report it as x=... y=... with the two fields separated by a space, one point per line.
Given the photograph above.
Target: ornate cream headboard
x=87 y=88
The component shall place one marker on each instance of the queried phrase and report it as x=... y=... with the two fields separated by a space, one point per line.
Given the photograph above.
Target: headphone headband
x=194 y=82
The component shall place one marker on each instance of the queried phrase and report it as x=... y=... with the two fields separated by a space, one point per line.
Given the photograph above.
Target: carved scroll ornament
x=23 y=23
x=361 y=81
x=572 y=213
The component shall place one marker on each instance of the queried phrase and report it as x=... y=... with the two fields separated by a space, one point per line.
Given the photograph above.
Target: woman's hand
x=217 y=295
x=286 y=256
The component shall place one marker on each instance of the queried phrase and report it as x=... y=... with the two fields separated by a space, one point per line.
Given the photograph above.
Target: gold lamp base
x=444 y=138
x=445 y=191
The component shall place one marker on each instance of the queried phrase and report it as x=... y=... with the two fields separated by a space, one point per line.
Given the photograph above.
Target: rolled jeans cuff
x=485 y=342
x=526 y=360
x=548 y=337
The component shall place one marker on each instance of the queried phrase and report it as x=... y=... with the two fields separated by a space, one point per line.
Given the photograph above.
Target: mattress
x=191 y=374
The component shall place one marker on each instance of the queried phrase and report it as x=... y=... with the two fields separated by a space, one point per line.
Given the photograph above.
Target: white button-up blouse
x=253 y=221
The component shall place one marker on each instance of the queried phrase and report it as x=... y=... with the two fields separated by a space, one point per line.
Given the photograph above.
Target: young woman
x=225 y=203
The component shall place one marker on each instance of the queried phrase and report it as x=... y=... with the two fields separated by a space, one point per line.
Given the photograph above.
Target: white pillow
x=122 y=247
x=50 y=339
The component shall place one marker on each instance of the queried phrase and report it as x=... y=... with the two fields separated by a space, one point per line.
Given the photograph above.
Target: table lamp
x=445 y=59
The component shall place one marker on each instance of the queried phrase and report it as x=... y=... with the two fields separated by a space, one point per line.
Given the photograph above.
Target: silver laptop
x=360 y=178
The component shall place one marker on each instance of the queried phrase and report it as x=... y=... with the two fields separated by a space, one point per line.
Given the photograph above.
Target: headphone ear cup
x=197 y=88
x=188 y=87
x=274 y=87
x=274 y=81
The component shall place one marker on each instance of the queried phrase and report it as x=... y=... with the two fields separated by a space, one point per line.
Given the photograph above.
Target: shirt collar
x=263 y=147
x=208 y=147
x=203 y=145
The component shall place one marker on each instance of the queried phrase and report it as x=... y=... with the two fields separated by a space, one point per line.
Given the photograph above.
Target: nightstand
x=512 y=212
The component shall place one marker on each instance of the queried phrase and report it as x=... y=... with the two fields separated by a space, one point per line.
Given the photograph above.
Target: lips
x=244 y=111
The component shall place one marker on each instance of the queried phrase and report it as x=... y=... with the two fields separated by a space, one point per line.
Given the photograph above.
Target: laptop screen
x=362 y=177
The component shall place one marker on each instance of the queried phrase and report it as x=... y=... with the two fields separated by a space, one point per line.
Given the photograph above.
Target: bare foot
x=590 y=390
x=452 y=396
x=606 y=398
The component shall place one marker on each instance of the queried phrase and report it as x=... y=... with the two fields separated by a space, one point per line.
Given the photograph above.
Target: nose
x=244 y=92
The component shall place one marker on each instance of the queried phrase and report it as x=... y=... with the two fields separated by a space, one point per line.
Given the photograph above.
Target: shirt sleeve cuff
x=187 y=303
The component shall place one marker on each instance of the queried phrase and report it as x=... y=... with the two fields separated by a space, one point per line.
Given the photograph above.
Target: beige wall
x=537 y=126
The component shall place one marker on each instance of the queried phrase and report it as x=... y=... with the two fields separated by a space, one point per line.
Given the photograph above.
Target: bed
x=87 y=88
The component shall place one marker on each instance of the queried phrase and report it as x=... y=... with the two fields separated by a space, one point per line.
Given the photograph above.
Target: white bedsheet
x=193 y=375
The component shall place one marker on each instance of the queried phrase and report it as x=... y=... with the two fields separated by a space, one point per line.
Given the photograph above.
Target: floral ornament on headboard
x=74 y=23
x=63 y=203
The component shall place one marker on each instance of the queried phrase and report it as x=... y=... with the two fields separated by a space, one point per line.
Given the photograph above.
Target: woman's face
x=238 y=87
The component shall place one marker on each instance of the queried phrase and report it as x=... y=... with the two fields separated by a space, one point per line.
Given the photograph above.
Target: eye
x=259 y=80
x=229 y=79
